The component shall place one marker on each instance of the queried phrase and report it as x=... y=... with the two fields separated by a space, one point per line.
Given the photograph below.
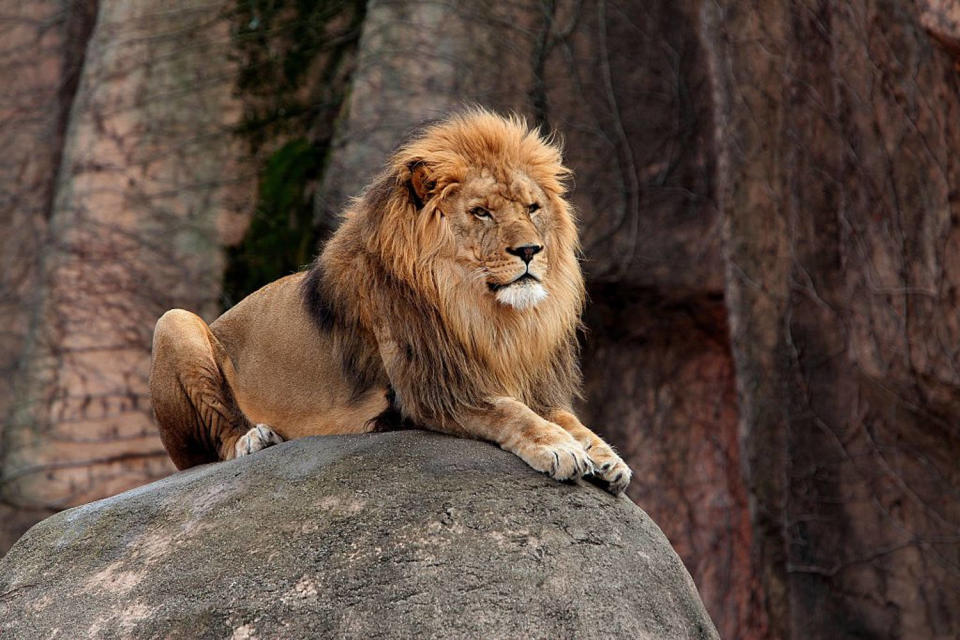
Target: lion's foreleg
x=609 y=466
x=540 y=443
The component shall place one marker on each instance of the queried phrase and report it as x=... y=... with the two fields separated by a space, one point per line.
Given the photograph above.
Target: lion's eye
x=480 y=212
x=533 y=208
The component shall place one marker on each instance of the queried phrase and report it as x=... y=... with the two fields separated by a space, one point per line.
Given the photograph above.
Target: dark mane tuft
x=317 y=302
x=352 y=343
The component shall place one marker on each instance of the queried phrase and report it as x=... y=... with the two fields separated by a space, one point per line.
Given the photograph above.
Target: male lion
x=449 y=298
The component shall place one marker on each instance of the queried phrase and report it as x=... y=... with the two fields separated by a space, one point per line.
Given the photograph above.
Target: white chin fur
x=522 y=295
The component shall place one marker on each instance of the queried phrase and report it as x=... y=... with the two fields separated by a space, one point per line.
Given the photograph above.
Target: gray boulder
x=392 y=535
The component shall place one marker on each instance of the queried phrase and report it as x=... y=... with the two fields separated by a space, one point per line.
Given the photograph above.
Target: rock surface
x=405 y=534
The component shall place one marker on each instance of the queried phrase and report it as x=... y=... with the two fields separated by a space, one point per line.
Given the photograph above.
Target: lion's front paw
x=561 y=457
x=610 y=468
x=260 y=437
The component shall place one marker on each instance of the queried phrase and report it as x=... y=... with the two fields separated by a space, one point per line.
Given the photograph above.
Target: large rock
x=404 y=534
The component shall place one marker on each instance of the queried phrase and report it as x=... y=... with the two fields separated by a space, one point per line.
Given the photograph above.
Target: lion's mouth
x=527 y=276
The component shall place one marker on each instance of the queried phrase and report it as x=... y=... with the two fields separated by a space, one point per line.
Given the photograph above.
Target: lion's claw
x=613 y=471
x=563 y=459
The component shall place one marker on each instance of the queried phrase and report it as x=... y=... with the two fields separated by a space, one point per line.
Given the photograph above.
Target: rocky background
x=769 y=195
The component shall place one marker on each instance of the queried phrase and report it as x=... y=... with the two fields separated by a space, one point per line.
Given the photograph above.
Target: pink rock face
x=149 y=187
x=40 y=61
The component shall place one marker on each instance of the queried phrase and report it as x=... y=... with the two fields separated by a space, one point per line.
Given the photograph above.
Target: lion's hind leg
x=191 y=382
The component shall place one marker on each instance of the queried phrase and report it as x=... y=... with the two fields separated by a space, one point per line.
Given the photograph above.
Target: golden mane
x=386 y=277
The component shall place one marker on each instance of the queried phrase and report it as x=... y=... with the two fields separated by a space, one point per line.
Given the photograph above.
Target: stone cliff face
x=404 y=534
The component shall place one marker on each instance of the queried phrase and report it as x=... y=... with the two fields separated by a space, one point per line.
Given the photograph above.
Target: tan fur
x=421 y=308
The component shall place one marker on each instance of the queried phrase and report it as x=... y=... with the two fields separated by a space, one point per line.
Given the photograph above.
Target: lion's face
x=503 y=227
x=475 y=205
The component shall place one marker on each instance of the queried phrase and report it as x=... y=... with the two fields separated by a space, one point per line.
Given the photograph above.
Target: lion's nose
x=525 y=252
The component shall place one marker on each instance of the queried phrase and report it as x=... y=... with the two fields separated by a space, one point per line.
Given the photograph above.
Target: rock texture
x=404 y=534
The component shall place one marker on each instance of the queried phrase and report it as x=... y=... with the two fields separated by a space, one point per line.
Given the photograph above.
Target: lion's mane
x=383 y=282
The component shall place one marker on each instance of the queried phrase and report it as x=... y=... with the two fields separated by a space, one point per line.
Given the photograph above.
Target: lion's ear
x=420 y=184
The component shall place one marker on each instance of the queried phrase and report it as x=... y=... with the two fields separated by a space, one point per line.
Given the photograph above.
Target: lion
x=448 y=299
